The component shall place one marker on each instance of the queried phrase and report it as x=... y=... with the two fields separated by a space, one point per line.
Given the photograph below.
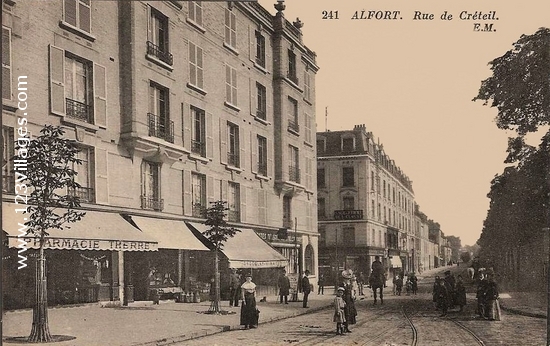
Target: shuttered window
x=230 y=28
x=78 y=14
x=196 y=66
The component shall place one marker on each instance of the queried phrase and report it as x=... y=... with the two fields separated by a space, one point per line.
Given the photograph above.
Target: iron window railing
x=293 y=125
x=233 y=159
x=78 y=110
x=159 y=53
x=154 y=203
x=198 y=147
x=294 y=174
x=84 y=194
x=160 y=127
x=262 y=168
x=260 y=113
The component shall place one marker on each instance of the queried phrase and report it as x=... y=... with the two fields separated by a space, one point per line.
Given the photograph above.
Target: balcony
x=348 y=215
x=293 y=126
x=153 y=203
x=291 y=75
x=198 y=210
x=294 y=174
x=233 y=216
x=233 y=159
x=198 y=147
x=262 y=168
x=159 y=53
x=78 y=110
x=84 y=194
x=160 y=127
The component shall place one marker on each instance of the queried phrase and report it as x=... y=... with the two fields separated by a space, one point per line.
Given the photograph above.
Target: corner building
x=176 y=104
x=365 y=205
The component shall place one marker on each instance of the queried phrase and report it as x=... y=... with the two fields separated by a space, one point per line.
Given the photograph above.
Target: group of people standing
x=487 y=296
x=449 y=292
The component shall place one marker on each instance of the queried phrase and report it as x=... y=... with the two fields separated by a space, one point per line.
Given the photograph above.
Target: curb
x=184 y=337
x=522 y=312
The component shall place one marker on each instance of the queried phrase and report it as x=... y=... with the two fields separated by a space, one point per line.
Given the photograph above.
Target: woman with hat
x=249 y=313
x=349 y=298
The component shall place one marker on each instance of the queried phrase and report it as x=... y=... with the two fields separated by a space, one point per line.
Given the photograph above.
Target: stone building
x=175 y=104
x=365 y=204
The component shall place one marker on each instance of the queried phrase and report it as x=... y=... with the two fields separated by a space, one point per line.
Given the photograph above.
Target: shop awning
x=247 y=250
x=95 y=231
x=170 y=234
x=395 y=262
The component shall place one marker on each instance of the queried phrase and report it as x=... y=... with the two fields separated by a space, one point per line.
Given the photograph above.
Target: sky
x=411 y=82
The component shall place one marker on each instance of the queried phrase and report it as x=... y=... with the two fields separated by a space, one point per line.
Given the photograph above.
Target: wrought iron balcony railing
x=154 y=203
x=294 y=174
x=233 y=159
x=293 y=125
x=84 y=194
x=159 y=53
x=198 y=147
x=262 y=168
x=78 y=110
x=160 y=127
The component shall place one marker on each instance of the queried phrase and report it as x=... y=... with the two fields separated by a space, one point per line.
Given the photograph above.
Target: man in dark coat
x=234 y=287
x=284 y=287
x=306 y=288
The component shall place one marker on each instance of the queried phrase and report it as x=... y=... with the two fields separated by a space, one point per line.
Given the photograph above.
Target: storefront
x=247 y=252
x=85 y=262
x=172 y=269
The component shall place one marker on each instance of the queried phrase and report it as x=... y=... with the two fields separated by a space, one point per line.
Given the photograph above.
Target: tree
x=465 y=257
x=50 y=175
x=218 y=233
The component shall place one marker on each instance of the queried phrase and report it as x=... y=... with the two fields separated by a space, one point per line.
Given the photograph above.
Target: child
x=339 y=317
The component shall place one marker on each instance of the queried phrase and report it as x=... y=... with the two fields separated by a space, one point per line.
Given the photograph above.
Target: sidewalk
x=145 y=324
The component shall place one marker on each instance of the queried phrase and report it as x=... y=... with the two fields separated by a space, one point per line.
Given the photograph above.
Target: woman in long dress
x=349 y=298
x=492 y=307
x=339 y=314
x=249 y=313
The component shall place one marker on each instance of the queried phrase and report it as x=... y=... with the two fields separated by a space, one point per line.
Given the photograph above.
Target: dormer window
x=348 y=144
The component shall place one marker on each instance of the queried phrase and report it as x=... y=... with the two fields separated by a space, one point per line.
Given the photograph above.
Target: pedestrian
x=349 y=297
x=435 y=291
x=492 y=306
x=442 y=297
x=398 y=284
x=234 y=287
x=377 y=269
x=480 y=295
x=414 y=282
x=360 y=282
x=284 y=287
x=321 y=284
x=460 y=292
x=339 y=314
x=450 y=284
x=249 y=313
x=306 y=288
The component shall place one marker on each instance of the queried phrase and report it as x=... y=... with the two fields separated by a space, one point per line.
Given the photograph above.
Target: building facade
x=175 y=104
x=365 y=205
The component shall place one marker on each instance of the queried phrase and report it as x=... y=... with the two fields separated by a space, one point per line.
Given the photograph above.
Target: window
x=372 y=180
x=291 y=73
x=348 y=178
x=8 y=180
x=150 y=186
x=262 y=156
x=157 y=40
x=233 y=142
x=195 y=12
x=77 y=13
x=385 y=218
x=321 y=178
x=198 y=136
x=293 y=124
x=307 y=128
x=6 y=63
x=307 y=86
x=260 y=49
x=78 y=87
x=373 y=209
x=261 y=112
x=349 y=236
x=230 y=85
x=84 y=177
x=321 y=208
x=348 y=203
x=348 y=144
x=294 y=168
x=158 y=118
x=230 y=28
x=233 y=214
x=384 y=188
x=309 y=263
x=320 y=145
x=198 y=193
x=287 y=212
x=379 y=212
x=196 y=66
